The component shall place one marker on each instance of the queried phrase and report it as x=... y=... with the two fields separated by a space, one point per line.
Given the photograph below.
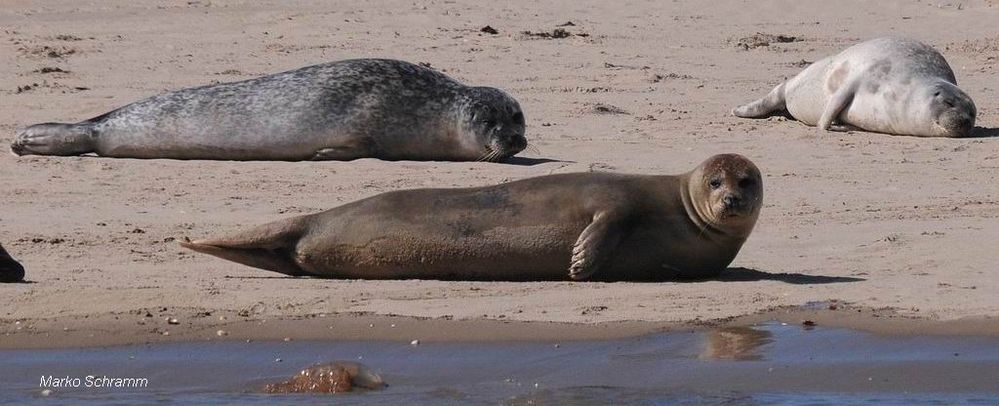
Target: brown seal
x=597 y=226
x=10 y=270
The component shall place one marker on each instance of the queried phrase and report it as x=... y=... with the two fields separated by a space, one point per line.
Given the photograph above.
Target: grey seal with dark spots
x=345 y=110
x=579 y=226
x=886 y=85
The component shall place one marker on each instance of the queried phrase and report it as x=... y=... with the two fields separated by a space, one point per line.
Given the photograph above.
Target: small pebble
x=414 y=342
x=277 y=359
x=166 y=333
x=173 y=321
x=46 y=392
x=221 y=333
x=286 y=339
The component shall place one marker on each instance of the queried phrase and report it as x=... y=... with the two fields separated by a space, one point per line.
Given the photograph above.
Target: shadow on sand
x=984 y=132
x=524 y=161
x=752 y=275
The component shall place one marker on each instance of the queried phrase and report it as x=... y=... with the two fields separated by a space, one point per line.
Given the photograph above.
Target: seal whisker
x=492 y=156
x=485 y=155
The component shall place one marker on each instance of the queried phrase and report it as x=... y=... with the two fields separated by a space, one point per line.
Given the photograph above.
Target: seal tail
x=55 y=139
x=270 y=246
x=769 y=104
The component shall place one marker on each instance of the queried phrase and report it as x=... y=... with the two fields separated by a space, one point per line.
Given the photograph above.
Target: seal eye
x=937 y=94
x=715 y=184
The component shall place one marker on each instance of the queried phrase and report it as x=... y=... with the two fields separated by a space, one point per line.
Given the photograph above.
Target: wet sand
x=893 y=226
x=768 y=363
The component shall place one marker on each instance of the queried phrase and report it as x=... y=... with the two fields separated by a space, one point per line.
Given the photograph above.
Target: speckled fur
x=342 y=110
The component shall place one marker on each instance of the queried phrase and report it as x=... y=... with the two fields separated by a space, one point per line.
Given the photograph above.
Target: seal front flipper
x=594 y=246
x=271 y=246
x=843 y=127
x=835 y=106
x=771 y=103
x=55 y=139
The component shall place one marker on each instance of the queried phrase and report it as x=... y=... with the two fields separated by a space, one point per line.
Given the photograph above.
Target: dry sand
x=903 y=225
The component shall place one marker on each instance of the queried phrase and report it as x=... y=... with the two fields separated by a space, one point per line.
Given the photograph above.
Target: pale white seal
x=887 y=85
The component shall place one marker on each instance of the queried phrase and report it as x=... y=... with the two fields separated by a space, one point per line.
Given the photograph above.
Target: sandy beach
x=868 y=230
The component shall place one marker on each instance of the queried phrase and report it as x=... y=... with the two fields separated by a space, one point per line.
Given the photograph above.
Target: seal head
x=495 y=124
x=952 y=111
x=725 y=193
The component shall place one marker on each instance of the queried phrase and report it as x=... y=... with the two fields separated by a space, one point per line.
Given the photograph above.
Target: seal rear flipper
x=594 y=246
x=270 y=246
x=772 y=103
x=55 y=139
x=276 y=260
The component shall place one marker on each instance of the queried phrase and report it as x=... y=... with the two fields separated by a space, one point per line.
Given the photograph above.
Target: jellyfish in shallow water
x=334 y=377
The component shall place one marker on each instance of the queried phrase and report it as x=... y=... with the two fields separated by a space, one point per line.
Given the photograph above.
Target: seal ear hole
x=949 y=103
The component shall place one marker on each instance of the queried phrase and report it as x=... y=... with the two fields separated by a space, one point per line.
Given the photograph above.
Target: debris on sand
x=601 y=108
x=49 y=69
x=68 y=37
x=489 y=30
x=764 y=40
x=557 y=33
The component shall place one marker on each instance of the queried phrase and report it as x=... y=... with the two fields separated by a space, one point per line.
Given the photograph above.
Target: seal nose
x=518 y=142
x=966 y=125
x=732 y=201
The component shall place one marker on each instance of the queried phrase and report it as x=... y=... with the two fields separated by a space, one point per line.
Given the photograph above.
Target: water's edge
x=786 y=362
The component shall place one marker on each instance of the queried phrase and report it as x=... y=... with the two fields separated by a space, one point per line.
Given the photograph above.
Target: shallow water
x=762 y=365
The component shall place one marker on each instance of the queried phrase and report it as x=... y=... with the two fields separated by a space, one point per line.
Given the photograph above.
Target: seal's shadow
x=752 y=275
x=984 y=132
x=728 y=275
x=524 y=161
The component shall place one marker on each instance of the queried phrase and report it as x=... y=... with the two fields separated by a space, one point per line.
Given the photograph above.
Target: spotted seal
x=345 y=110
